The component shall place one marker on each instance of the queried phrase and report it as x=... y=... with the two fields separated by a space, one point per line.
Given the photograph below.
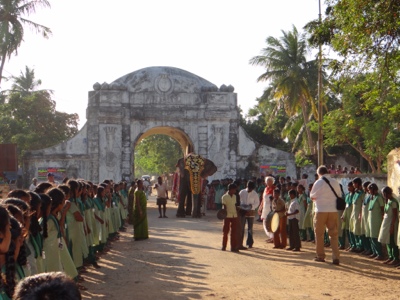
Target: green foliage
x=264 y=129
x=29 y=118
x=365 y=33
x=157 y=155
x=301 y=159
x=368 y=118
x=366 y=37
x=12 y=21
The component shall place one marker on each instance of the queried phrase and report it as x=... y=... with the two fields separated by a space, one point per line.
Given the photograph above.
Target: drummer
x=278 y=206
x=249 y=201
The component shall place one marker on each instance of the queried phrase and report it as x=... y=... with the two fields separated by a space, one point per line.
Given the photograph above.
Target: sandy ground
x=182 y=259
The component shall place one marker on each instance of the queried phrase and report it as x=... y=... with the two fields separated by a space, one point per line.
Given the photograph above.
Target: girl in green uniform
x=10 y=270
x=389 y=226
x=309 y=217
x=355 y=217
x=57 y=204
x=35 y=238
x=51 y=236
x=89 y=215
x=364 y=221
x=376 y=210
x=124 y=199
x=346 y=219
x=140 y=226
x=75 y=226
x=99 y=217
x=5 y=241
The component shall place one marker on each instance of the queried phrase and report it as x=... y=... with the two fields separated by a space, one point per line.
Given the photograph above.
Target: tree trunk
x=298 y=137
x=3 y=61
x=308 y=131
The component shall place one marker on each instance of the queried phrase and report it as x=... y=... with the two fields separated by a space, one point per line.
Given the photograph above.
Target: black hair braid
x=10 y=270
x=21 y=259
x=44 y=225
x=35 y=228
x=46 y=202
x=36 y=204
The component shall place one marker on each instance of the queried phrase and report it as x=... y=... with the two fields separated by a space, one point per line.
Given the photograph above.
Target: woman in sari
x=140 y=226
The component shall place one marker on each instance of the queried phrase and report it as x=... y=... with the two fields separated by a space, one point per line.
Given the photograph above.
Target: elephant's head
x=197 y=167
x=208 y=167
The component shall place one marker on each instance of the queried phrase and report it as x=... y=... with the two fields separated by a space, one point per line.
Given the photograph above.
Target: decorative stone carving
x=163 y=84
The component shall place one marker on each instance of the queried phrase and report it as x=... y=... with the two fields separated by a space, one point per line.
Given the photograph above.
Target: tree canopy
x=28 y=116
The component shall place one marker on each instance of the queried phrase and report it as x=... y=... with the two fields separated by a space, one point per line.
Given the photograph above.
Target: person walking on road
x=250 y=199
x=326 y=214
x=162 y=196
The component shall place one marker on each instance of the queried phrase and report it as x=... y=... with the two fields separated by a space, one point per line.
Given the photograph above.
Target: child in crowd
x=302 y=198
x=293 y=217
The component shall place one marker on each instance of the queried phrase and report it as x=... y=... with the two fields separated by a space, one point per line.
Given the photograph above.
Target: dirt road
x=182 y=259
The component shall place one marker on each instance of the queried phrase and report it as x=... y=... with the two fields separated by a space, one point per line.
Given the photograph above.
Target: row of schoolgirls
x=370 y=221
x=368 y=224
x=62 y=228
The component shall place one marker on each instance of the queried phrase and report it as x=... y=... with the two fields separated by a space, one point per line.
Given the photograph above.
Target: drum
x=272 y=222
x=221 y=214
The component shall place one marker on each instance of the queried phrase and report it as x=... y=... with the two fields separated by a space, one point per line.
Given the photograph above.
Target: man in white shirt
x=326 y=214
x=146 y=185
x=249 y=199
x=33 y=185
x=162 y=196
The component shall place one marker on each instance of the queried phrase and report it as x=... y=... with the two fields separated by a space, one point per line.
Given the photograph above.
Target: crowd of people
x=343 y=170
x=63 y=228
x=369 y=224
x=67 y=227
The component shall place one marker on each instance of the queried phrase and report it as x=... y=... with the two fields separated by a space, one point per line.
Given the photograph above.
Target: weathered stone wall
x=252 y=155
x=160 y=100
x=393 y=167
x=71 y=155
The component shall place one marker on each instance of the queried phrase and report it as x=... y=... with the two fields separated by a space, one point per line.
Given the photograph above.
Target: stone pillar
x=126 y=158
x=92 y=113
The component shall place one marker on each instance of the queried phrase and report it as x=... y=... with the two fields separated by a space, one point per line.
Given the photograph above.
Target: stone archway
x=203 y=118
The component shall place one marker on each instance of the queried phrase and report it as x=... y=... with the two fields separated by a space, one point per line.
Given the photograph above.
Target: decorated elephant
x=192 y=168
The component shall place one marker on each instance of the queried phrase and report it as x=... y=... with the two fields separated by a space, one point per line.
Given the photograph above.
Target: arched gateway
x=158 y=100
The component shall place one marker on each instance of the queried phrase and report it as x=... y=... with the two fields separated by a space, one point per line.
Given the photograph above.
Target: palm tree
x=289 y=72
x=25 y=82
x=12 y=25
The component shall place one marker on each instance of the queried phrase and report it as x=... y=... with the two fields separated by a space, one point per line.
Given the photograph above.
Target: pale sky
x=100 y=41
